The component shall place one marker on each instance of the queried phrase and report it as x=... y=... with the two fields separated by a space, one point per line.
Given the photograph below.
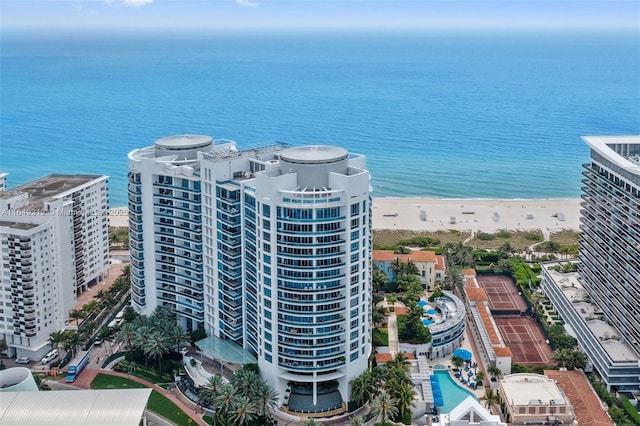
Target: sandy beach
x=486 y=215
x=464 y=214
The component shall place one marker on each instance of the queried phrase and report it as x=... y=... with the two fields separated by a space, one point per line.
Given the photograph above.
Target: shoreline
x=461 y=214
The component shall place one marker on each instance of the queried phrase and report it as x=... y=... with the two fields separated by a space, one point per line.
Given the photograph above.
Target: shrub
x=503 y=234
x=532 y=236
x=197 y=335
x=483 y=236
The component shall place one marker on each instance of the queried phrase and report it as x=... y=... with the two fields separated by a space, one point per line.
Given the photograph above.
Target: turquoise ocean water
x=438 y=113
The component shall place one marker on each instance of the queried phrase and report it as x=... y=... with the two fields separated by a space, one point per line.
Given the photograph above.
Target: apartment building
x=600 y=302
x=268 y=248
x=54 y=243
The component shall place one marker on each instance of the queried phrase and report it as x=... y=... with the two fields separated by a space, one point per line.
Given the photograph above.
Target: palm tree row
x=388 y=388
x=569 y=359
x=68 y=339
x=155 y=335
x=244 y=399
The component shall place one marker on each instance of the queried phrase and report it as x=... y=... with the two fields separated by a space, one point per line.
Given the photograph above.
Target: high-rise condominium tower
x=54 y=239
x=610 y=234
x=268 y=248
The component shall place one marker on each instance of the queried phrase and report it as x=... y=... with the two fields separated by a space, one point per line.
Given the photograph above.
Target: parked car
x=23 y=360
x=50 y=356
x=98 y=342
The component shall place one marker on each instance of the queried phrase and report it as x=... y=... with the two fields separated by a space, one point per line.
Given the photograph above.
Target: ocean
x=476 y=114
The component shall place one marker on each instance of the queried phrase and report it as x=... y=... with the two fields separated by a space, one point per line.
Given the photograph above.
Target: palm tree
x=490 y=398
x=223 y=403
x=246 y=382
x=76 y=314
x=378 y=279
x=56 y=338
x=400 y=360
x=356 y=421
x=384 y=407
x=404 y=396
x=494 y=372
x=127 y=335
x=90 y=308
x=578 y=360
x=242 y=411
x=457 y=361
x=360 y=388
x=209 y=391
x=377 y=316
x=71 y=341
x=310 y=421
x=157 y=347
x=141 y=339
x=266 y=398
x=178 y=336
x=479 y=376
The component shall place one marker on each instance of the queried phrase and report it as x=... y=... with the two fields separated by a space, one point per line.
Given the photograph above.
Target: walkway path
x=392 y=330
x=88 y=374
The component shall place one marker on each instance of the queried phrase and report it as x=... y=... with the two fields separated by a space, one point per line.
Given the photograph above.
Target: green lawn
x=380 y=336
x=158 y=403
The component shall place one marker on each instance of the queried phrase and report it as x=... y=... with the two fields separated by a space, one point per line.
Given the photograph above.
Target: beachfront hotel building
x=600 y=302
x=54 y=243
x=3 y=181
x=267 y=248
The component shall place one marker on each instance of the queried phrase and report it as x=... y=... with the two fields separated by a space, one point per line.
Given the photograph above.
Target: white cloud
x=247 y=3
x=136 y=3
x=130 y=3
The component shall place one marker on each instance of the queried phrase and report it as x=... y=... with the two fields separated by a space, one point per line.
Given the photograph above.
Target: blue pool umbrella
x=422 y=303
x=462 y=353
x=426 y=322
x=431 y=311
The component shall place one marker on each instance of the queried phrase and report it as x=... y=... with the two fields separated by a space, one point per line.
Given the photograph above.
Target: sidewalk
x=88 y=374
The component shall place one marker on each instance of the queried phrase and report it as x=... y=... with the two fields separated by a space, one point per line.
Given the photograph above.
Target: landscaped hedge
x=630 y=410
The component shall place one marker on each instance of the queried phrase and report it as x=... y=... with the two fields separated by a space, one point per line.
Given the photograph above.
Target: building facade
x=610 y=234
x=54 y=242
x=267 y=248
x=534 y=399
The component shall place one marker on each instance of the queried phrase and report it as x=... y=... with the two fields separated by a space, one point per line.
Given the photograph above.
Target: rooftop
x=75 y=408
x=586 y=404
x=314 y=154
x=609 y=337
x=416 y=256
x=48 y=187
x=18 y=226
x=624 y=151
x=531 y=389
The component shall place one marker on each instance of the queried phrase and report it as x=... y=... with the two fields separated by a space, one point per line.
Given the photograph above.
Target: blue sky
x=200 y=14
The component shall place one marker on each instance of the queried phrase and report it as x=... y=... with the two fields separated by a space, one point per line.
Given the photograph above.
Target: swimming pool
x=452 y=393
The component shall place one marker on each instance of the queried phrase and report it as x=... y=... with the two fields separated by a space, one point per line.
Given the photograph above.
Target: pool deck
x=469 y=345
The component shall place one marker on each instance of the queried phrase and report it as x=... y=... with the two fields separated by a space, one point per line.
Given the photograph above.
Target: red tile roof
x=415 y=256
x=440 y=263
x=585 y=402
x=488 y=324
x=476 y=294
x=384 y=255
x=468 y=272
x=382 y=358
x=472 y=283
x=502 y=351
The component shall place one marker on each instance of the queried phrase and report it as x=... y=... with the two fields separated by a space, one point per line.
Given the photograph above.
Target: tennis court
x=503 y=294
x=525 y=339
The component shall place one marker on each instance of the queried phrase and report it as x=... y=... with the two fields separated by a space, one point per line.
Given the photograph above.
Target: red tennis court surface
x=503 y=294
x=525 y=339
